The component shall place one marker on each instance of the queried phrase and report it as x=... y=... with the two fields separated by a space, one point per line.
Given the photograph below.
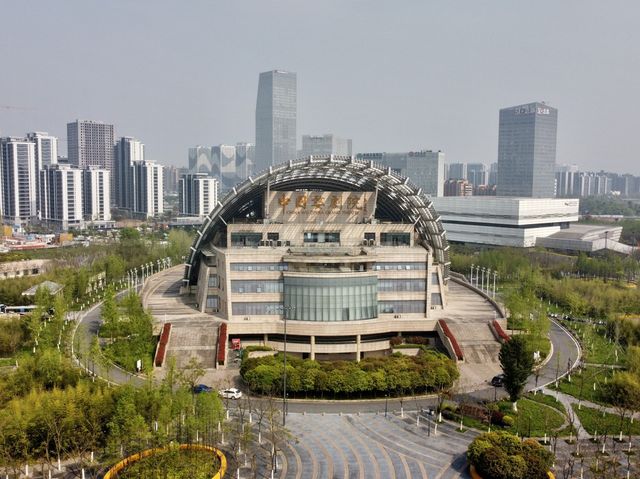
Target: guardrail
x=498 y=332
x=161 y=350
x=453 y=347
x=222 y=343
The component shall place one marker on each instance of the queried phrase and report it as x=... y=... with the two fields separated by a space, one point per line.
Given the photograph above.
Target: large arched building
x=348 y=251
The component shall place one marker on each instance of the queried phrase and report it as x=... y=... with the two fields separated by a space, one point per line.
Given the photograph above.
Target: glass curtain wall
x=331 y=299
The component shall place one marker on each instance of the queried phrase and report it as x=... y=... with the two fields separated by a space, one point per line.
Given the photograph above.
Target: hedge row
x=394 y=374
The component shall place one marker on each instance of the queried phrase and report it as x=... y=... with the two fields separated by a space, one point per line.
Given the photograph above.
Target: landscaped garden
x=396 y=374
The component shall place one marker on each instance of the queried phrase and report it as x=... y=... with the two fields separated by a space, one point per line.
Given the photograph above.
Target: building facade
x=424 y=168
x=349 y=253
x=148 y=189
x=46 y=148
x=504 y=221
x=127 y=151
x=19 y=180
x=96 y=187
x=527 y=151
x=458 y=188
x=276 y=117
x=61 y=197
x=476 y=174
x=197 y=195
x=323 y=145
x=457 y=171
x=245 y=158
x=90 y=143
x=200 y=160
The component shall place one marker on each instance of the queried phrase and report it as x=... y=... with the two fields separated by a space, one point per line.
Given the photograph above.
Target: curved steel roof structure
x=398 y=200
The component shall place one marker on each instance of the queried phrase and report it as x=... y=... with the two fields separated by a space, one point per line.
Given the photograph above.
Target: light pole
x=482 y=281
x=495 y=274
x=472 y=274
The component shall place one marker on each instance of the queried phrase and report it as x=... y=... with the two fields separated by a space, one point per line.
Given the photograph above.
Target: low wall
x=449 y=341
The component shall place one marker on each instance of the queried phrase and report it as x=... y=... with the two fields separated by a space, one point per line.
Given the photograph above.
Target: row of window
x=415 y=265
x=258 y=286
x=399 y=285
x=259 y=267
x=310 y=313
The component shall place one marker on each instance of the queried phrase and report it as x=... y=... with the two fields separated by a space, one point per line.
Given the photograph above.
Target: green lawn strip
x=7 y=362
x=596 y=348
x=581 y=385
x=593 y=421
x=547 y=400
x=533 y=419
x=542 y=344
x=125 y=352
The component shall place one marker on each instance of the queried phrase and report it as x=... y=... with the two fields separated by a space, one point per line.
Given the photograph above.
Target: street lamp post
x=471 y=281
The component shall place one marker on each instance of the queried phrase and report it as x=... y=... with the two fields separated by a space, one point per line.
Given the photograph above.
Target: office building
x=198 y=194
x=493 y=174
x=527 y=151
x=276 y=113
x=148 y=191
x=457 y=171
x=245 y=157
x=96 y=187
x=324 y=145
x=476 y=174
x=19 y=180
x=424 y=168
x=171 y=176
x=61 y=201
x=224 y=165
x=127 y=151
x=349 y=252
x=46 y=148
x=200 y=160
x=458 y=188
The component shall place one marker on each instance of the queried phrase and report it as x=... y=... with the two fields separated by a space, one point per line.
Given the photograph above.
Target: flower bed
x=162 y=345
x=222 y=343
x=454 y=343
x=504 y=337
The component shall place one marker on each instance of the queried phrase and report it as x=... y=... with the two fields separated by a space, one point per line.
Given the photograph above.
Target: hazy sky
x=393 y=75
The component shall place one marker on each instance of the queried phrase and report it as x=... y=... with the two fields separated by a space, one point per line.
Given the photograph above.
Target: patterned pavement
x=363 y=446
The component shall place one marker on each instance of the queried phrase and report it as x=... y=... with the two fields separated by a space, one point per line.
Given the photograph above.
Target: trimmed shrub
x=500 y=455
x=507 y=421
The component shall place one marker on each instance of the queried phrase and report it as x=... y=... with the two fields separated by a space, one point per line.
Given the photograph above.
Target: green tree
x=517 y=364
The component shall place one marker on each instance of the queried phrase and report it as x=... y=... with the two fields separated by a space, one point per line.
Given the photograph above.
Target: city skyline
x=363 y=90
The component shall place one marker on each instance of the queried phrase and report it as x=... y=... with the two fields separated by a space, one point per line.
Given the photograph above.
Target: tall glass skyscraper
x=527 y=151
x=275 y=119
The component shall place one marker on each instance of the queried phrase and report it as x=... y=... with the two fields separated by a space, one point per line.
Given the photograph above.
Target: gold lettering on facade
x=301 y=201
x=284 y=200
x=352 y=203
x=336 y=201
x=317 y=201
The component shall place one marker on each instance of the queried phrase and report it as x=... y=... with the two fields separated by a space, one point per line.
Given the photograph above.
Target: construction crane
x=11 y=107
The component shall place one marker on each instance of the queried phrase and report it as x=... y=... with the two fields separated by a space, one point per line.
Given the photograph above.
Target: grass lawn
x=548 y=400
x=534 y=419
x=7 y=362
x=593 y=421
x=584 y=381
x=596 y=348
x=125 y=352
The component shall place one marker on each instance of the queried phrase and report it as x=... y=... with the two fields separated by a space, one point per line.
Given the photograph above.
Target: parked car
x=202 y=388
x=231 y=393
x=498 y=381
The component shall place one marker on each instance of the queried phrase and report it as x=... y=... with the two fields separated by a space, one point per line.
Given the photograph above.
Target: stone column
x=358 y=347
x=312 y=345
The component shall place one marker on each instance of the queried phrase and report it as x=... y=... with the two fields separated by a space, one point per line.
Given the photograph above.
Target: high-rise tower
x=276 y=108
x=527 y=151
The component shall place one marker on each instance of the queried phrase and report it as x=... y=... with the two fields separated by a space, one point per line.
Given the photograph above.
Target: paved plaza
x=372 y=446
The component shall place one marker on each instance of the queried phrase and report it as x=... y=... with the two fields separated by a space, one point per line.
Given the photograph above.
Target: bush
x=500 y=455
x=507 y=421
x=396 y=340
x=497 y=417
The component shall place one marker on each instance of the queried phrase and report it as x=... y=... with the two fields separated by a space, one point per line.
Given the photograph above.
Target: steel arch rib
x=398 y=195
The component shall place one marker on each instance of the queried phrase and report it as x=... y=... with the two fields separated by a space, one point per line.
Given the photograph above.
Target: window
x=213 y=303
x=258 y=309
x=245 y=239
x=259 y=267
x=399 y=285
x=256 y=286
x=273 y=236
x=418 y=265
x=214 y=281
x=322 y=237
x=400 y=307
x=395 y=239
